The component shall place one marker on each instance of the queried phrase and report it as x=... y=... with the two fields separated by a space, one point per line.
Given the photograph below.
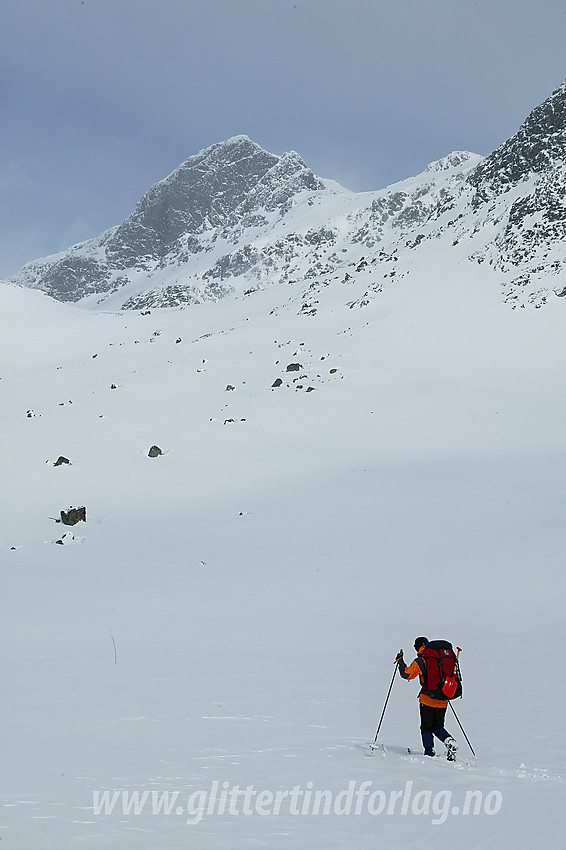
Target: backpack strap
x=422 y=666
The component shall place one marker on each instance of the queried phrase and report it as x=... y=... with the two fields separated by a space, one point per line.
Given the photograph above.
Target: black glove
x=399 y=656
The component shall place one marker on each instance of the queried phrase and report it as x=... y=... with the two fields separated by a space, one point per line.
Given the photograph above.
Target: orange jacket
x=411 y=672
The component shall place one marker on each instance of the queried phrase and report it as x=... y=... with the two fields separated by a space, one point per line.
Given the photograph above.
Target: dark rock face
x=538 y=145
x=276 y=189
x=524 y=181
x=73 y=516
x=61 y=460
x=197 y=196
x=154 y=451
x=73 y=275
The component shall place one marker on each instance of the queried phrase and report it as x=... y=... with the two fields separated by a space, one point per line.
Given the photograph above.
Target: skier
x=432 y=710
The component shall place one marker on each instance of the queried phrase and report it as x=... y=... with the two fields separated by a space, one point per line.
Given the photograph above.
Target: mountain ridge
x=234 y=218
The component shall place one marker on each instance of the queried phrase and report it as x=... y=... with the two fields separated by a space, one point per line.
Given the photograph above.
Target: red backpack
x=441 y=675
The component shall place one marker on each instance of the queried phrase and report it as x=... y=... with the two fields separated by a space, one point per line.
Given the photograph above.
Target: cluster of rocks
x=72 y=516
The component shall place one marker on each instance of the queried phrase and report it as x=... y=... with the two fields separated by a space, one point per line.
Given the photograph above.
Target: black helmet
x=420 y=641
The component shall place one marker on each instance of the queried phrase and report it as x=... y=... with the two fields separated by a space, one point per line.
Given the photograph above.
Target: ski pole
x=462 y=728
x=386 y=701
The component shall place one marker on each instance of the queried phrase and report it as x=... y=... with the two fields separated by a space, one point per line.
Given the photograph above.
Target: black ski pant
x=432 y=723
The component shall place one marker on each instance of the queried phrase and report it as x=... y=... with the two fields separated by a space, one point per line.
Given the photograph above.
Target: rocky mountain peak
x=200 y=194
x=538 y=144
x=276 y=189
x=455 y=159
x=521 y=186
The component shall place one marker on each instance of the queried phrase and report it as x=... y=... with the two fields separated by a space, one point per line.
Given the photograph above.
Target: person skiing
x=432 y=710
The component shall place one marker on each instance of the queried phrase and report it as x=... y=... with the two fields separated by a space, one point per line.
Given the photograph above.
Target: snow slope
x=230 y=610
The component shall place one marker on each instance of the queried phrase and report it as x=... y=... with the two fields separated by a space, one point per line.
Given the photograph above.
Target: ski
x=400 y=751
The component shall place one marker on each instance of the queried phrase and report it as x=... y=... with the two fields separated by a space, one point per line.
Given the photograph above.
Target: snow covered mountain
x=235 y=218
x=521 y=191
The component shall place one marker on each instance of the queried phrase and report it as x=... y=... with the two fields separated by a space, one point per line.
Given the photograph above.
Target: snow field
x=257 y=580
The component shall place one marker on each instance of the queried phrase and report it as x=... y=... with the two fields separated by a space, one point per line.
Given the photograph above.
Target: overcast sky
x=102 y=98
